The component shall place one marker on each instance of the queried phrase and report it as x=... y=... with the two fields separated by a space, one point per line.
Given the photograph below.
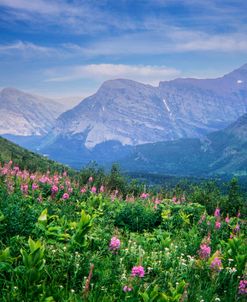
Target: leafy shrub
x=138 y=216
x=20 y=215
x=181 y=215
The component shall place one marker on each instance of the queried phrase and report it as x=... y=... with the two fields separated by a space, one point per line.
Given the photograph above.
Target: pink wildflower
x=205 y=251
x=90 y=179
x=144 y=195
x=127 y=289
x=217 y=212
x=54 y=189
x=65 y=196
x=83 y=190
x=24 y=188
x=242 y=288
x=157 y=201
x=32 y=177
x=70 y=190
x=34 y=186
x=216 y=264
x=114 y=244
x=93 y=189
x=4 y=171
x=227 y=220
x=16 y=169
x=138 y=271
x=102 y=189
x=217 y=225
x=43 y=179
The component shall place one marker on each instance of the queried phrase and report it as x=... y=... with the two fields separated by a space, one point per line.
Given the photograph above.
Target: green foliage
x=175 y=293
x=151 y=295
x=82 y=229
x=236 y=249
x=19 y=215
x=235 y=200
x=116 y=181
x=34 y=261
x=138 y=216
x=84 y=248
x=181 y=215
x=28 y=160
x=208 y=195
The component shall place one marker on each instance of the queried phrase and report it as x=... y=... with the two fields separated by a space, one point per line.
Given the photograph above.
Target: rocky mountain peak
x=25 y=114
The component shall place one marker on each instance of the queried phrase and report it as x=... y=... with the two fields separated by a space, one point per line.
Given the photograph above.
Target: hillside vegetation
x=102 y=239
x=27 y=159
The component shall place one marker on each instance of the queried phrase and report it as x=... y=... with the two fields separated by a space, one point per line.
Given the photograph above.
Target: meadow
x=87 y=237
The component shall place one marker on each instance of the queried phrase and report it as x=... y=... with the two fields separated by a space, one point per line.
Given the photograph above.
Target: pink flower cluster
x=217 y=212
x=93 y=189
x=35 y=186
x=126 y=288
x=65 y=196
x=217 y=215
x=205 y=251
x=217 y=225
x=144 y=195
x=242 y=288
x=54 y=189
x=114 y=244
x=24 y=188
x=227 y=219
x=216 y=264
x=138 y=271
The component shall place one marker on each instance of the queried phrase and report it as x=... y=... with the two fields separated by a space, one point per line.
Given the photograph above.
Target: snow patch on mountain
x=168 y=109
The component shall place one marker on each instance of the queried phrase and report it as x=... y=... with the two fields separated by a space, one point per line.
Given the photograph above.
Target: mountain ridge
x=134 y=113
x=25 y=114
x=221 y=152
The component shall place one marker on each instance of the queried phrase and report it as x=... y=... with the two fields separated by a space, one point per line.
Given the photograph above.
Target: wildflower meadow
x=73 y=238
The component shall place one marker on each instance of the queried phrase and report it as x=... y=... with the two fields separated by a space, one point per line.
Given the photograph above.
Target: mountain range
x=220 y=152
x=183 y=126
x=133 y=113
x=23 y=114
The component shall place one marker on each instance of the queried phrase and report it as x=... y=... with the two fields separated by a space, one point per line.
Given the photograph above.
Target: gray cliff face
x=133 y=113
x=23 y=114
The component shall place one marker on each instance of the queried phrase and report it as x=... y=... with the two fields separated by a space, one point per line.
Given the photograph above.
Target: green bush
x=138 y=216
x=181 y=215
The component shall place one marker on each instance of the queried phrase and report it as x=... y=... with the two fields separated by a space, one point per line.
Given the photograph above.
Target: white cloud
x=76 y=16
x=167 y=40
x=40 y=6
x=26 y=48
x=101 y=72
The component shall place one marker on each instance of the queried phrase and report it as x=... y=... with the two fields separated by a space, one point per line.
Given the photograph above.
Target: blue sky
x=62 y=48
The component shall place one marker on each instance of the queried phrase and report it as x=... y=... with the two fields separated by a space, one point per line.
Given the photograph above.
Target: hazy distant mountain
x=133 y=113
x=221 y=152
x=128 y=113
x=23 y=114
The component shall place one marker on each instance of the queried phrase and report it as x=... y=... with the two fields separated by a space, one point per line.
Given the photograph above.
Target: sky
x=68 y=48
